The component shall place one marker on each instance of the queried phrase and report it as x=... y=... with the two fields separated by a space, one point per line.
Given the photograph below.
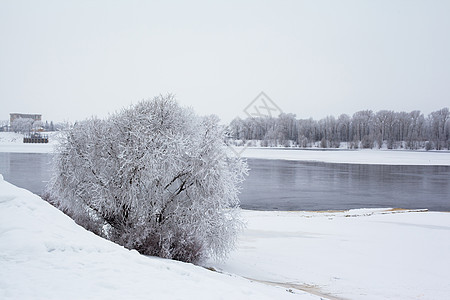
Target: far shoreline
x=12 y=143
x=349 y=156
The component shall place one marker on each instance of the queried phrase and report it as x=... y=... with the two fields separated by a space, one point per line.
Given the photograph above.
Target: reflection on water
x=291 y=185
x=26 y=170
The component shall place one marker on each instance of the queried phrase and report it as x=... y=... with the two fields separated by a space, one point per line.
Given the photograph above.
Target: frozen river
x=295 y=185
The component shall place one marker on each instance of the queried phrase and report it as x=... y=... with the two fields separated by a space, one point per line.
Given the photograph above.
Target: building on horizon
x=14 y=116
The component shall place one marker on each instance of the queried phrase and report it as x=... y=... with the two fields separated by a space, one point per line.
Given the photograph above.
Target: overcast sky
x=70 y=60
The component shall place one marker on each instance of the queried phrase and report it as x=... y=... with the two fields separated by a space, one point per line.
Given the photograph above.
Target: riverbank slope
x=45 y=255
x=356 y=254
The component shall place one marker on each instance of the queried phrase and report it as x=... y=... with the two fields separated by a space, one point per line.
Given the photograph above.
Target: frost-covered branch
x=154 y=177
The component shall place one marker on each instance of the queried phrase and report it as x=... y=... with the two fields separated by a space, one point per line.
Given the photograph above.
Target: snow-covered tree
x=438 y=128
x=343 y=127
x=154 y=177
x=22 y=125
x=38 y=126
x=4 y=125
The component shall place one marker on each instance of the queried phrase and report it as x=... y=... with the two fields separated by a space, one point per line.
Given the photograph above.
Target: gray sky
x=70 y=60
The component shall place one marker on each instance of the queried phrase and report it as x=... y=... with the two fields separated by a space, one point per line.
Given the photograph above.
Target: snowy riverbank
x=381 y=157
x=12 y=142
x=45 y=255
x=357 y=254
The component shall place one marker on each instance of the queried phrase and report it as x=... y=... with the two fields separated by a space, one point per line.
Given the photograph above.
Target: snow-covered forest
x=364 y=129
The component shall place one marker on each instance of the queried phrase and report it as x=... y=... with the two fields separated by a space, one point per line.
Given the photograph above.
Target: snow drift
x=45 y=255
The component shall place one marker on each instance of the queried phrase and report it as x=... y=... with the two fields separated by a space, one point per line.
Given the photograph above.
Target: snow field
x=356 y=254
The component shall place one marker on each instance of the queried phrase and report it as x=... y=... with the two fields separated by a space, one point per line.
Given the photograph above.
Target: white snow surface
x=13 y=142
x=364 y=156
x=356 y=254
x=45 y=255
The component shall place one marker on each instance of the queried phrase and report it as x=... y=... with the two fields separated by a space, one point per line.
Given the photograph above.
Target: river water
x=294 y=185
x=26 y=170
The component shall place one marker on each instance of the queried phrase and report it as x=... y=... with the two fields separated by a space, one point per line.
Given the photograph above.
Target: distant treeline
x=365 y=129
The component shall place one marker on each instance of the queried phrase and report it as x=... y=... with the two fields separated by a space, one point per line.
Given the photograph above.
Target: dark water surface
x=26 y=170
x=293 y=185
